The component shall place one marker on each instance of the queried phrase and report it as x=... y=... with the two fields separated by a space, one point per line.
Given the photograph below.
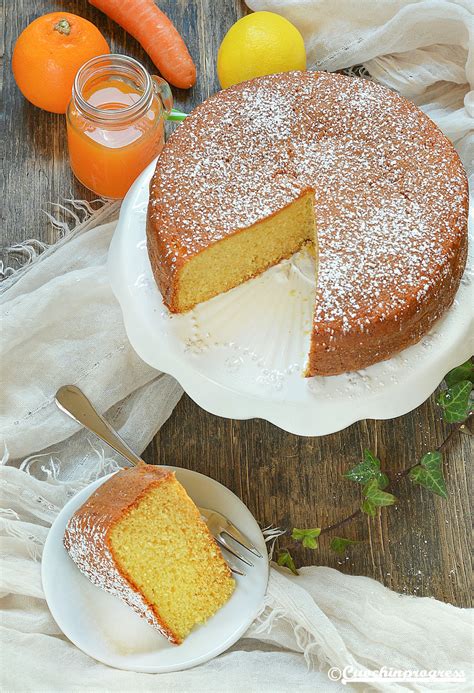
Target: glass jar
x=115 y=122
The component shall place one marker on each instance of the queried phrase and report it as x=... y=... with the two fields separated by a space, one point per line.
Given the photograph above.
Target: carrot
x=156 y=34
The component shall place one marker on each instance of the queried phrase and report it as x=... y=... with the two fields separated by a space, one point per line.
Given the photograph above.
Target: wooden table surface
x=422 y=545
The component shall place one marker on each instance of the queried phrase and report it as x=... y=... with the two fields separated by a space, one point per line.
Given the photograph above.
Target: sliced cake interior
x=246 y=253
x=165 y=549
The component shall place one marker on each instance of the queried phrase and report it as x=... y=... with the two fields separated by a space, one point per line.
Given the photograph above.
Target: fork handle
x=71 y=400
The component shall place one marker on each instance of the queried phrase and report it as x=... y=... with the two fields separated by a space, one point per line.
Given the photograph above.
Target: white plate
x=241 y=354
x=106 y=629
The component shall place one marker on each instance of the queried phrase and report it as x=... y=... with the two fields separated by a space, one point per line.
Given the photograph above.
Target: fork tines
x=220 y=526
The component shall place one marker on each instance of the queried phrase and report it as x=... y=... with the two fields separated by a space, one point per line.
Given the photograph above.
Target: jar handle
x=163 y=91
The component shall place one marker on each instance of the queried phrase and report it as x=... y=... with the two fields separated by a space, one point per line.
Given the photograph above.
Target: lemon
x=261 y=43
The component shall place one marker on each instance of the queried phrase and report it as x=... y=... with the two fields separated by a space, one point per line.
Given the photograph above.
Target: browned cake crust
x=390 y=200
x=87 y=537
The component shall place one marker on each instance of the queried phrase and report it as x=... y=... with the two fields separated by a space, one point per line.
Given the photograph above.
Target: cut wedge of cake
x=140 y=537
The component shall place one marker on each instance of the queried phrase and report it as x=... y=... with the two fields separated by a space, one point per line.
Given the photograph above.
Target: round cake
x=342 y=163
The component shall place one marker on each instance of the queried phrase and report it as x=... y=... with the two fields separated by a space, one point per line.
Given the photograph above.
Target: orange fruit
x=48 y=54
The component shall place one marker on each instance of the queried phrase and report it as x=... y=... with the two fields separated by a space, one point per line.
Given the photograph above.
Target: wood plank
x=420 y=546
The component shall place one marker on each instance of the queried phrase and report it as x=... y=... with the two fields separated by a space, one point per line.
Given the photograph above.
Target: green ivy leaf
x=307 y=537
x=456 y=401
x=340 y=544
x=383 y=480
x=463 y=372
x=373 y=493
x=285 y=559
x=368 y=508
x=366 y=470
x=429 y=473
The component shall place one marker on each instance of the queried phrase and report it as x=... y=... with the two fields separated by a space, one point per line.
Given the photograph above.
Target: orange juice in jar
x=115 y=123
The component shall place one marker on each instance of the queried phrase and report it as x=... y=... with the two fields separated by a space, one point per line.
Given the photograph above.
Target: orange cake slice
x=140 y=537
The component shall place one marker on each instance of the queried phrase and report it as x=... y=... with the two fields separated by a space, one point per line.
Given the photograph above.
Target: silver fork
x=71 y=400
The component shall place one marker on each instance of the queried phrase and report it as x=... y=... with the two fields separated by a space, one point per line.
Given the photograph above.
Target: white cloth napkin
x=60 y=323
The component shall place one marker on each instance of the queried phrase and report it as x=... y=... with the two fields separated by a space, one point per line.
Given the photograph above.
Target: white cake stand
x=241 y=355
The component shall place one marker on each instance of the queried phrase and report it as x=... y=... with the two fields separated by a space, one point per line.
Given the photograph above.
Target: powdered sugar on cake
x=390 y=192
x=86 y=544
